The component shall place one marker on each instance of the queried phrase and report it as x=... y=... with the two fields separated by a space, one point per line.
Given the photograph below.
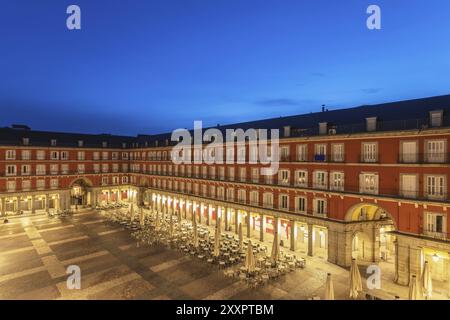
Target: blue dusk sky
x=150 y=66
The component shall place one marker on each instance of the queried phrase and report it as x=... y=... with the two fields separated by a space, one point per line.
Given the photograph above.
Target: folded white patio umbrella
x=241 y=237
x=427 y=282
x=355 y=280
x=217 y=244
x=275 y=248
x=195 y=236
x=329 y=288
x=414 y=293
x=132 y=211
x=142 y=217
x=157 y=221
x=250 y=258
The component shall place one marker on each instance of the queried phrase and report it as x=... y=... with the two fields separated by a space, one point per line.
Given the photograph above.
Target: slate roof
x=402 y=115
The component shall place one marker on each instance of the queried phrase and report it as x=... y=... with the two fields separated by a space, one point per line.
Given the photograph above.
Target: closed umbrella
x=217 y=244
x=329 y=288
x=142 y=217
x=250 y=258
x=179 y=219
x=413 y=288
x=275 y=248
x=157 y=221
x=241 y=237
x=195 y=236
x=355 y=280
x=132 y=212
x=427 y=283
x=171 y=225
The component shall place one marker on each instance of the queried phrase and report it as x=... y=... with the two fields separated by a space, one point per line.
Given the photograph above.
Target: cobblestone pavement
x=35 y=252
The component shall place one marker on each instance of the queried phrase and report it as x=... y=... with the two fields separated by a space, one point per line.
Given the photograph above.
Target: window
x=96 y=156
x=283 y=202
x=26 y=169
x=104 y=144
x=283 y=177
x=115 y=155
x=230 y=155
x=320 y=180
x=268 y=200
x=11 y=185
x=369 y=151
x=254 y=198
x=242 y=196
x=408 y=151
x=26 y=155
x=435 y=151
x=220 y=193
x=408 y=185
x=368 y=183
x=435 y=187
x=231 y=174
x=40 y=155
x=80 y=168
x=255 y=175
x=301 y=178
x=104 y=180
x=25 y=141
x=241 y=154
x=253 y=157
x=284 y=154
x=26 y=184
x=40 y=169
x=11 y=170
x=320 y=152
x=54 y=183
x=268 y=179
x=81 y=155
x=337 y=152
x=302 y=151
x=337 y=181
x=105 y=168
x=54 y=155
x=80 y=143
x=53 y=169
x=40 y=184
x=64 y=155
x=323 y=127
x=105 y=155
x=435 y=225
x=64 y=168
x=300 y=204
x=124 y=179
x=320 y=207
x=371 y=124
x=10 y=154
x=243 y=174
x=436 y=118
x=115 y=180
x=230 y=194
x=53 y=142
x=124 y=155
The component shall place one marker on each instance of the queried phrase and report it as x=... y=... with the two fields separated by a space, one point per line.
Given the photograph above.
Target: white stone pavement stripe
x=94 y=221
x=56 y=228
x=54 y=267
x=41 y=246
x=84 y=213
x=85 y=257
x=29 y=248
x=14 y=235
x=23 y=273
x=127 y=246
x=104 y=233
x=83 y=294
x=168 y=264
x=57 y=242
x=227 y=292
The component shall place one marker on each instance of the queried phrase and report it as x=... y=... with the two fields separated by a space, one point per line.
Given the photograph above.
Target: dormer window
x=436 y=117
x=323 y=128
x=371 y=124
x=104 y=144
x=156 y=143
x=287 y=131
x=167 y=142
x=53 y=142
x=124 y=145
x=80 y=143
x=25 y=141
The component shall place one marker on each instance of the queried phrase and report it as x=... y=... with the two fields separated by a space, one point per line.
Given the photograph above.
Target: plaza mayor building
x=368 y=182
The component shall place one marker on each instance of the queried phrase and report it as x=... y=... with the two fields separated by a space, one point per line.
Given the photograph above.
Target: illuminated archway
x=79 y=192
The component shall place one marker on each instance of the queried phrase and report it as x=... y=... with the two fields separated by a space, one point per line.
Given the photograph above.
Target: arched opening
x=79 y=193
x=372 y=239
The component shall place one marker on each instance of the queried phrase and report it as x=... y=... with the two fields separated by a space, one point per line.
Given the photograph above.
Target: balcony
x=435 y=235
